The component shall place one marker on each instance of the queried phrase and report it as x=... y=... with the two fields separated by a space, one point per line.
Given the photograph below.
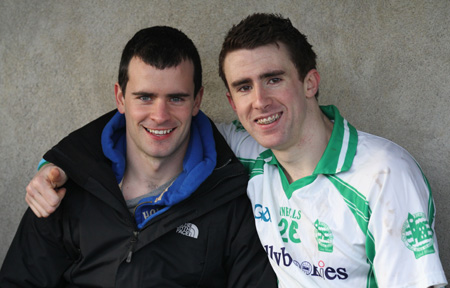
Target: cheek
x=240 y=111
x=244 y=110
x=137 y=114
x=183 y=114
x=241 y=105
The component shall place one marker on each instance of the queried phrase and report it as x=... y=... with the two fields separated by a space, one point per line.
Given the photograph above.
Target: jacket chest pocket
x=176 y=259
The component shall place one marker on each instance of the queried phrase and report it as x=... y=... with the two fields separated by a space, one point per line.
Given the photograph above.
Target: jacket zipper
x=225 y=164
x=136 y=232
x=132 y=244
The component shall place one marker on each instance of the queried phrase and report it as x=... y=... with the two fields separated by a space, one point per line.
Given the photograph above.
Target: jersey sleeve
x=404 y=248
x=240 y=141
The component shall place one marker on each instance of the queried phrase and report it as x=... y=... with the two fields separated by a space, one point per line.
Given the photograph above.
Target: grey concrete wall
x=385 y=64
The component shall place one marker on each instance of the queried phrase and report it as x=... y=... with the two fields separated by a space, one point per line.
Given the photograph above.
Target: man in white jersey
x=334 y=207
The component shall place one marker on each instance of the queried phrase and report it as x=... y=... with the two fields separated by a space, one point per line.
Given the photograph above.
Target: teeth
x=159 y=132
x=268 y=120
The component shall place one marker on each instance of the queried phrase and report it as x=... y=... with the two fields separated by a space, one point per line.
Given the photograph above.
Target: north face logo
x=188 y=229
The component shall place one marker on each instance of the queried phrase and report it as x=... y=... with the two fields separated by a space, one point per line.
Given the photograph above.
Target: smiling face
x=267 y=95
x=158 y=107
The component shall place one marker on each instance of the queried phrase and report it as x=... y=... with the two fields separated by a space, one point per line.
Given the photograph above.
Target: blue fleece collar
x=198 y=164
x=114 y=144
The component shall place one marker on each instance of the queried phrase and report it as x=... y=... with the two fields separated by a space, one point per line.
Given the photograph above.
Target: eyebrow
x=262 y=76
x=149 y=94
x=140 y=93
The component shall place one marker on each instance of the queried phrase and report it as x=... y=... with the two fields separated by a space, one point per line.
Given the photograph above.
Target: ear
x=120 y=98
x=230 y=100
x=311 y=83
x=197 y=101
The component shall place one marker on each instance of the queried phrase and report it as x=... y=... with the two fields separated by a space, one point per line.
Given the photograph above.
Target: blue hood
x=198 y=164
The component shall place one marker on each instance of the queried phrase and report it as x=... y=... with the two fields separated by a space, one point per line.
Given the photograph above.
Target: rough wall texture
x=386 y=65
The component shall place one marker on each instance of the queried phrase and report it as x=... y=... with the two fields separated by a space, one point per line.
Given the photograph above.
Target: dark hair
x=161 y=47
x=262 y=29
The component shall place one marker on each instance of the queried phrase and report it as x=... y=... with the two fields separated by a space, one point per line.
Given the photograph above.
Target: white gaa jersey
x=365 y=218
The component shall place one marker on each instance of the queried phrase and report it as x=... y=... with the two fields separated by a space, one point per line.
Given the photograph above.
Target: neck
x=140 y=180
x=144 y=173
x=301 y=160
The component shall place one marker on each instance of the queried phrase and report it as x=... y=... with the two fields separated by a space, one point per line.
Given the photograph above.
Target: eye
x=176 y=99
x=244 y=88
x=145 y=98
x=274 y=80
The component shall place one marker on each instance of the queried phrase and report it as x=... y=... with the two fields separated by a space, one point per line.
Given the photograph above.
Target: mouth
x=268 y=120
x=159 y=132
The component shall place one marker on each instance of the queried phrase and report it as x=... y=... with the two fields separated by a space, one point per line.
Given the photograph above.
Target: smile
x=159 y=132
x=269 y=120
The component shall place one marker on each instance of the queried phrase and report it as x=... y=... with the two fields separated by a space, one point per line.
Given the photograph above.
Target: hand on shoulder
x=43 y=192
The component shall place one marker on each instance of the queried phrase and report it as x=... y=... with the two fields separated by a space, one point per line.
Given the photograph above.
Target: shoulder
x=381 y=167
x=379 y=162
x=95 y=127
x=381 y=153
x=87 y=136
x=81 y=150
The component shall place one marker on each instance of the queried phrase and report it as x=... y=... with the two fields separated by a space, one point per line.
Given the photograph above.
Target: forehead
x=145 y=75
x=248 y=62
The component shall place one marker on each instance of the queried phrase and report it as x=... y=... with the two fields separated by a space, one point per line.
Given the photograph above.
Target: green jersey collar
x=337 y=157
x=341 y=149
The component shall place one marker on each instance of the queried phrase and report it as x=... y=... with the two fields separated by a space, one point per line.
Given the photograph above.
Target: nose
x=160 y=111
x=261 y=98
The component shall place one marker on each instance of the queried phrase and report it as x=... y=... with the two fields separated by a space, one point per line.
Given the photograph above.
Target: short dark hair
x=161 y=47
x=262 y=29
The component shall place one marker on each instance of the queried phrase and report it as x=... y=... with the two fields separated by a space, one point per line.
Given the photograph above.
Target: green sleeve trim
x=42 y=163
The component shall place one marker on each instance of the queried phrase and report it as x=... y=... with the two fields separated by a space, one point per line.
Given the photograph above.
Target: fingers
x=57 y=177
x=35 y=207
x=42 y=196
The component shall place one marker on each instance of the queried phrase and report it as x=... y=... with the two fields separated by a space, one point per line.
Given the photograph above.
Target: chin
x=266 y=143
x=266 y=140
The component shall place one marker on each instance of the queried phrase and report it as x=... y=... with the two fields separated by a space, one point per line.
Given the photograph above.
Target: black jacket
x=93 y=241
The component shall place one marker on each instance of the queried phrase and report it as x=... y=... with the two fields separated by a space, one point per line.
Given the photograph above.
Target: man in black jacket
x=158 y=199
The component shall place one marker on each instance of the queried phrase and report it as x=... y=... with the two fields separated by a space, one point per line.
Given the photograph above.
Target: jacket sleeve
x=247 y=263
x=36 y=257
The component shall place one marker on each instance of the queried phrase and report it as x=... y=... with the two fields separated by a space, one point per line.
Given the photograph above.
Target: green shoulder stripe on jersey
x=371 y=277
x=356 y=201
x=370 y=247
x=431 y=209
x=360 y=208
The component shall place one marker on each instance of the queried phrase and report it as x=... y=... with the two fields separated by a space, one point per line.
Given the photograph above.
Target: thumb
x=57 y=177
